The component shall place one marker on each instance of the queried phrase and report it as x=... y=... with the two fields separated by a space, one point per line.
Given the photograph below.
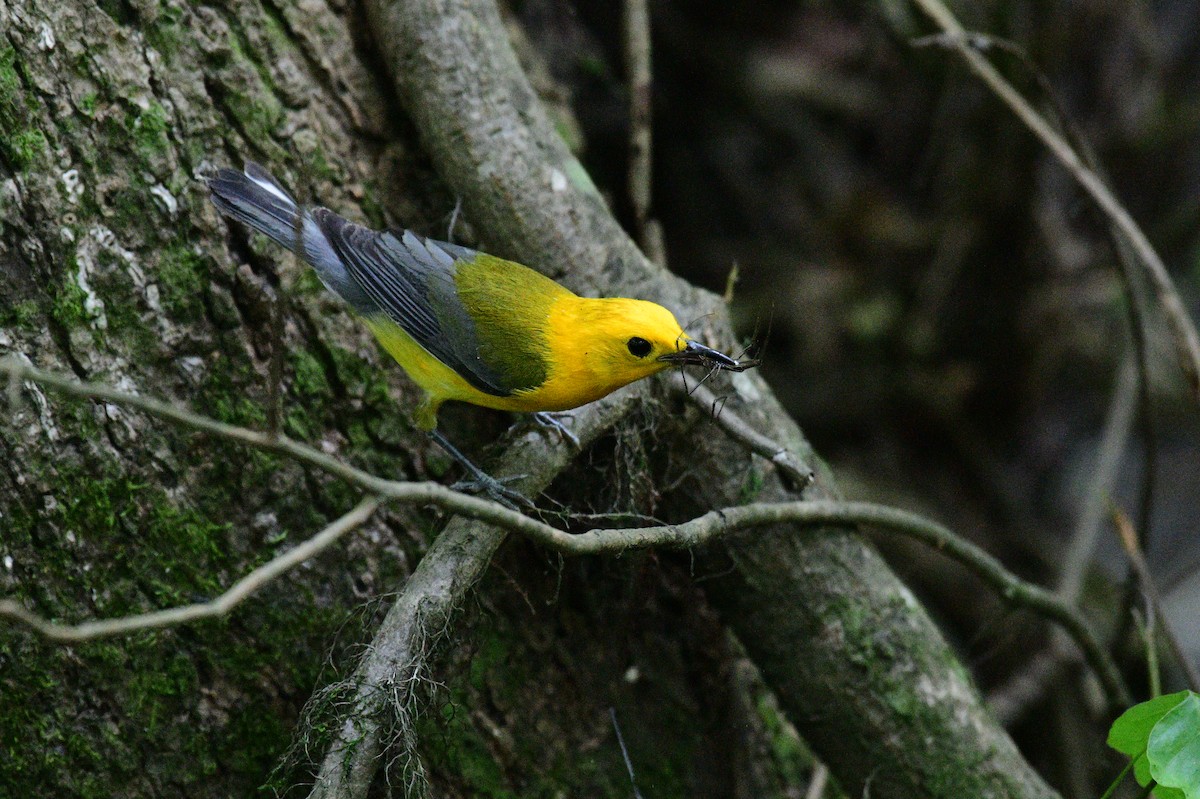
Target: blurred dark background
x=944 y=309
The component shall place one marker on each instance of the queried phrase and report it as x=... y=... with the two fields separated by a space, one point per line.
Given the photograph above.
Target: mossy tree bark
x=113 y=266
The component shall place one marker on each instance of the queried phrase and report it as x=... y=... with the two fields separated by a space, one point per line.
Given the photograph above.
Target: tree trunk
x=116 y=268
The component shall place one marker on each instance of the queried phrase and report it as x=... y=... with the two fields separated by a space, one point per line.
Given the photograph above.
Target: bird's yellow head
x=627 y=338
x=602 y=344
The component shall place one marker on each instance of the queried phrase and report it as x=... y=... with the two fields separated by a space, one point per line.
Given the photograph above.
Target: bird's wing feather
x=413 y=283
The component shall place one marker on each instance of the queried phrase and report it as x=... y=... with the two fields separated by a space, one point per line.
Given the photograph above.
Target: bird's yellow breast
x=439 y=382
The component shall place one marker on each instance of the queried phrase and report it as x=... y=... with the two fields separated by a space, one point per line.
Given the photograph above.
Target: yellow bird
x=465 y=325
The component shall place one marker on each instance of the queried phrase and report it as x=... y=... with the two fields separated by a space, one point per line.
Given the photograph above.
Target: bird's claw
x=496 y=490
x=551 y=422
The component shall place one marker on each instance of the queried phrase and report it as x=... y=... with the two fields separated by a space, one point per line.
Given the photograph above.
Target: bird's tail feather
x=255 y=198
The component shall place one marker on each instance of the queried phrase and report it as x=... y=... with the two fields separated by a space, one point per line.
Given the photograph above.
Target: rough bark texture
x=855 y=661
x=114 y=266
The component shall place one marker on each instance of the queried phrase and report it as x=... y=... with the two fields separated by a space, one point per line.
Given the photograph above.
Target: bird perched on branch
x=465 y=325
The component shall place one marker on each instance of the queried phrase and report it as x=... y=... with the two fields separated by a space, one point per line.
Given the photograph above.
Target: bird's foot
x=552 y=421
x=495 y=489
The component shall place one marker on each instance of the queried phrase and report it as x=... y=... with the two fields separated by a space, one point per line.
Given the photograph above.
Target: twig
x=1129 y=542
x=800 y=474
x=1187 y=342
x=234 y=596
x=1024 y=686
x=690 y=534
x=1128 y=272
x=704 y=529
x=673 y=536
x=818 y=781
x=612 y=712
x=637 y=64
x=282 y=445
x=1117 y=427
x=697 y=532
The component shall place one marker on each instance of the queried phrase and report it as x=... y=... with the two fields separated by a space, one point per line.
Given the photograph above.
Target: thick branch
x=784 y=596
x=385 y=678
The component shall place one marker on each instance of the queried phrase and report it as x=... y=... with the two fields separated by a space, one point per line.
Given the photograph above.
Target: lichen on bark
x=116 y=268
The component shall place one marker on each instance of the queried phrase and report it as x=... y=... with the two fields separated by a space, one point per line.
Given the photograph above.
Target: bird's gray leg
x=481 y=482
x=551 y=421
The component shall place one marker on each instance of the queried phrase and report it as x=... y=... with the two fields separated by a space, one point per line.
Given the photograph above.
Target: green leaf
x=1174 y=748
x=1130 y=734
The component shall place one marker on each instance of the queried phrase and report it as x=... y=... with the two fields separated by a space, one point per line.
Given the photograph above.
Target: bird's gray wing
x=411 y=280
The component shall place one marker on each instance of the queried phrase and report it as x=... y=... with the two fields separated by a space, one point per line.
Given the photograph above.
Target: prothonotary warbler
x=465 y=325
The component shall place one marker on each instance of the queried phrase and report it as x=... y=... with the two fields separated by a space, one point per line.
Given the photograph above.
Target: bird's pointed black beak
x=700 y=355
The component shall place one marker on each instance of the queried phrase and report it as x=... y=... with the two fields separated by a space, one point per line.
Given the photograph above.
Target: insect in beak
x=700 y=355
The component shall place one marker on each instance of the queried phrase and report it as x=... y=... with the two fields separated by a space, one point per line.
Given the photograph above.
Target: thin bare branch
x=694 y=533
x=434 y=493
x=173 y=617
x=702 y=530
x=1104 y=475
x=800 y=474
x=1128 y=271
x=1183 y=331
x=637 y=65
x=612 y=712
x=1129 y=542
x=281 y=445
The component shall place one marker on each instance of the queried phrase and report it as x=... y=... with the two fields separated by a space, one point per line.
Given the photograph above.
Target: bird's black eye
x=638 y=347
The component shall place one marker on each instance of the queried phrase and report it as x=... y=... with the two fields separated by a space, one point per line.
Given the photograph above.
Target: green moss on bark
x=104 y=543
x=22 y=144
